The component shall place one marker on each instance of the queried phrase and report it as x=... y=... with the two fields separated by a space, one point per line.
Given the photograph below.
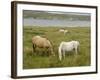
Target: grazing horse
x=67 y=46
x=43 y=43
x=63 y=31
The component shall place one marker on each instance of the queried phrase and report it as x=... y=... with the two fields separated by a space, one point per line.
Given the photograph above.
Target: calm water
x=55 y=22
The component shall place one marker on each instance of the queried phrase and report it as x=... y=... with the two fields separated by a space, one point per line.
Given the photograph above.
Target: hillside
x=55 y=15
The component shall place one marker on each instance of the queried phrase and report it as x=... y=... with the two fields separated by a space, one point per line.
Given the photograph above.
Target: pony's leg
x=52 y=52
x=34 y=49
x=60 y=53
x=76 y=50
x=45 y=52
x=64 y=54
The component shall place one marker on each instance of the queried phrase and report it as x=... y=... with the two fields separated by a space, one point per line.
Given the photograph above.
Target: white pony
x=63 y=31
x=67 y=46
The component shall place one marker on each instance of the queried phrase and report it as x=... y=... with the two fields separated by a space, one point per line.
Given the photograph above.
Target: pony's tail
x=59 y=53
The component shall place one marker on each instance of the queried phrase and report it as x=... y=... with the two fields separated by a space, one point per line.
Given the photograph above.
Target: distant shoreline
x=55 y=22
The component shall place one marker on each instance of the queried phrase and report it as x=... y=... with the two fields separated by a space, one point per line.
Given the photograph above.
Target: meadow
x=81 y=34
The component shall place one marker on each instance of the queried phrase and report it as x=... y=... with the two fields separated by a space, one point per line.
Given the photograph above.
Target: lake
x=55 y=22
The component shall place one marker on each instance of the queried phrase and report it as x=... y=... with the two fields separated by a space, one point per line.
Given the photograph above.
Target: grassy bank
x=82 y=34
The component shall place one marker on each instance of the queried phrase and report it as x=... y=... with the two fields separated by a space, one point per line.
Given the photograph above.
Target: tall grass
x=82 y=34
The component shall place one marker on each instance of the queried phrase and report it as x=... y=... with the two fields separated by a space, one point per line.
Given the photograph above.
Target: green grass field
x=82 y=34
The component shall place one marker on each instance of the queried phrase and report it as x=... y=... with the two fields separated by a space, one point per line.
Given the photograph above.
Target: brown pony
x=41 y=42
